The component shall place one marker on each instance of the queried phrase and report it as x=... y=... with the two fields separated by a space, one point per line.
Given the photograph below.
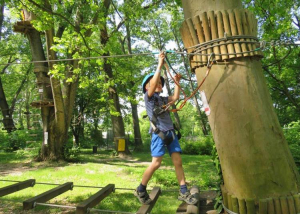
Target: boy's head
x=146 y=80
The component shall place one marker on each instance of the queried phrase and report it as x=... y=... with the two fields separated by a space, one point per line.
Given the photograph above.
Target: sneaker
x=187 y=198
x=143 y=197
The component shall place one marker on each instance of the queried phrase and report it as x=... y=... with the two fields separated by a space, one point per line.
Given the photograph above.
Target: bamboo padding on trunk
x=246 y=27
x=224 y=195
x=223 y=48
x=235 y=205
x=263 y=206
x=200 y=34
x=240 y=30
x=291 y=204
x=277 y=206
x=214 y=33
x=284 y=205
x=187 y=39
x=229 y=198
x=195 y=40
x=250 y=20
x=234 y=32
x=271 y=209
x=206 y=30
x=227 y=28
x=200 y=31
x=250 y=204
x=242 y=206
x=297 y=202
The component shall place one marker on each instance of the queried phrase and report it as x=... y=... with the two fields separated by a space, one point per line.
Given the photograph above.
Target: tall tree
x=255 y=158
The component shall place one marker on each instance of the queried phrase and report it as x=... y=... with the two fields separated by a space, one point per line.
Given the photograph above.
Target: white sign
x=205 y=103
x=45 y=138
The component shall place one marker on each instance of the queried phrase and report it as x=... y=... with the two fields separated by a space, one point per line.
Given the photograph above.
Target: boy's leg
x=155 y=164
x=177 y=162
x=184 y=194
x=141 y=192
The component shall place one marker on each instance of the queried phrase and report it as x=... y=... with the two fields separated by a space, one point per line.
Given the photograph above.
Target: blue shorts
x=158 y=147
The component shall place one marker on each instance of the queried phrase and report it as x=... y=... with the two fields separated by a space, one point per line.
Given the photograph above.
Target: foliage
x=292 y=135
x=197 y=145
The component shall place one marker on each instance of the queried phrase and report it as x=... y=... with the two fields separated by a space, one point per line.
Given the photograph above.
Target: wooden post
x=16 y=187
x=94 y=199
x=52 y=193
x=154 y=196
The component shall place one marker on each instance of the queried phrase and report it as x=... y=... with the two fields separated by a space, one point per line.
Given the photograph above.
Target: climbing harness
x=157 y=112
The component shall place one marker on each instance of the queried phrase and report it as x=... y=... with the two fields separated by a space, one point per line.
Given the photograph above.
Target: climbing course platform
x=204 y=205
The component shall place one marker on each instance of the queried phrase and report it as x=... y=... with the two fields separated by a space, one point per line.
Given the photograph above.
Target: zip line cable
x=197 y=47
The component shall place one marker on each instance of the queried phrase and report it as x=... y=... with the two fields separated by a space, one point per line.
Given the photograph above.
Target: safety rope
x=210 y=62
x=108 y=211
x=53 y=205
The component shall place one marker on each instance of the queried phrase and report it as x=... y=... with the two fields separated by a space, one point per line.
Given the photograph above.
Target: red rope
x=192 y=94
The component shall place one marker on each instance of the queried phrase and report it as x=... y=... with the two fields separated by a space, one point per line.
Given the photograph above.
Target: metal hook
x=211 y=60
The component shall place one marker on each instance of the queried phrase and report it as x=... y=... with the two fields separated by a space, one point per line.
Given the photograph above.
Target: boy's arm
x=156 y=77
x=175 y=96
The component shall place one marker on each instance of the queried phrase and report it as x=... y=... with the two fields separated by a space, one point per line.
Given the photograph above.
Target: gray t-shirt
x=164 y=122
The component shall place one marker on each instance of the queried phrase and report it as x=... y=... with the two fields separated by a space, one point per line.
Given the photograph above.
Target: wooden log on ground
x=95 y=199
x=144 y=209
x=16 y=187
x=52 y=193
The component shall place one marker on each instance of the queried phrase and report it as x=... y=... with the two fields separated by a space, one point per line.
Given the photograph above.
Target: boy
x=163 y=134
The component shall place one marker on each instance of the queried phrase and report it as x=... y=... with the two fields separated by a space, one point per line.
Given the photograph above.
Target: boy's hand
x=177 y=77
x=161 y=59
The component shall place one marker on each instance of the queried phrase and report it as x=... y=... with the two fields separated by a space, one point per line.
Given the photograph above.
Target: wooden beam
x=95 y=199
x=46 y=196
x=154 y=196
x=16 y=187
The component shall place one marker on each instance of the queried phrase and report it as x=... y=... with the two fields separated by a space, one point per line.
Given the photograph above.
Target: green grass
x=99 y=170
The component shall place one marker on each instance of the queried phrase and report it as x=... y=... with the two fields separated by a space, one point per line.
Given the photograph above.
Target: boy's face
x=158 y=88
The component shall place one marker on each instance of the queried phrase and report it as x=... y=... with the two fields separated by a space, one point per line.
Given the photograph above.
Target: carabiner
x=211 y=60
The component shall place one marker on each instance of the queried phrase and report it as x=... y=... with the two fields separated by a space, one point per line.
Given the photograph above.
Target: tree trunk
x=255 y=158
x=136 y=127
x=134 y=110
x=114 y=103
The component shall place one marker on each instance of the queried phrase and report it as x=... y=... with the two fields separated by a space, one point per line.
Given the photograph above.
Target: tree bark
x=255 y=158
x=114 y=103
